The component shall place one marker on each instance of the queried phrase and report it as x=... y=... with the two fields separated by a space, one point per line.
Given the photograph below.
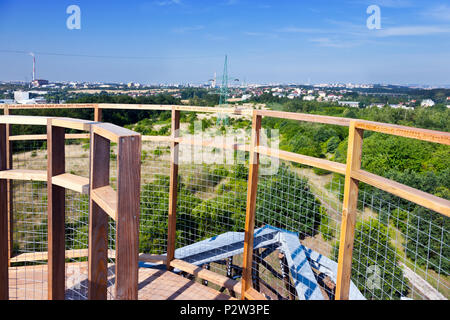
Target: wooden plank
x=56 y=213
x=43 y=256
x=407 y=132
x=208 y=275
x=24 y=120
x=111 y=131
x=302 y=159
x=106 y=199
x=10 y=188
x=174 y=158
x=24 y=174
x=51 y=106
x=403 y=191
x=98 y=220
x=349 y=209
x=241 y=111
x=252 y=294
x=305 y=117
x=251 y=205
x=98 y=114
x=128 y=211
x=152 y=258
x=72 y=182
x=76 y=124
x=4 y=286
x=28 y=137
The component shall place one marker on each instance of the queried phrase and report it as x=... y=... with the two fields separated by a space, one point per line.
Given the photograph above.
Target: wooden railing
x=352 y=171
x=121 y=205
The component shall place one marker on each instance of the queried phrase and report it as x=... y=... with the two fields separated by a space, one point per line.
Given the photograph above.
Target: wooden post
x=354 y=152
x=98 y=220
x=251 y=206
x=127 y=223
x=4 y=286
x=9 y=165
x=174 y=152
x=97 y=114
x=56 y=213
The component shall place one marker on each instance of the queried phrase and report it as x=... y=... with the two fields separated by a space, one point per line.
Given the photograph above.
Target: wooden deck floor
x=30 y=283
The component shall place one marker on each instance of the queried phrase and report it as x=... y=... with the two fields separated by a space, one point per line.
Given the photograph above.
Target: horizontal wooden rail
x=82 y=253
x=419 y=197
x=403 y=131
x=111 y=131
x=49 y=106
x=30 y=137
x=42 y=256
x=305 y=117
x=237 y=111
x=72 y=182
x=23 y=174
x=106 y=198
x=69 y=123
x=24 y=120
x=302 y=159
x=205 y=274
x=152 y=258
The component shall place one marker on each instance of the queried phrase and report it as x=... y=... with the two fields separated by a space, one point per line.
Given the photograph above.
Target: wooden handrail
x=351 y=169
x=123 y=206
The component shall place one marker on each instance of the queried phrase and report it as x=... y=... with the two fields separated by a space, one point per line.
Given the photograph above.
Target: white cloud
x=334 y=43
x=412 y=31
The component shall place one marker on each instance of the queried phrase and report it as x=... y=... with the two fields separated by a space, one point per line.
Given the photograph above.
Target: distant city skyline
x=185 y=41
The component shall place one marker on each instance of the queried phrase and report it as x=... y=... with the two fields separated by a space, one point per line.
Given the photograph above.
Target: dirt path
x=421 y=285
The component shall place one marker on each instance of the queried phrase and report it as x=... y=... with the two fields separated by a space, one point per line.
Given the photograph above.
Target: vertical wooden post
x=9 y=165
x=4 y=286
x=354 y=152
x=56 y=213
x=127 y=223
x=174 y=152
x=98 y=220
x=97 y=114
x=251 y=206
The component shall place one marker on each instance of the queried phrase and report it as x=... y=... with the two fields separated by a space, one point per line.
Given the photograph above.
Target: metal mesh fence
x=401 y=250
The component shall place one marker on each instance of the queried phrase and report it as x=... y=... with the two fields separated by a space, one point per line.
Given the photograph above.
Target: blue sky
x=266 y=41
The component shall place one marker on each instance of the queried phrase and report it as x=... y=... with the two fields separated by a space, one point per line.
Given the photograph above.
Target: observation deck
x=91 y=210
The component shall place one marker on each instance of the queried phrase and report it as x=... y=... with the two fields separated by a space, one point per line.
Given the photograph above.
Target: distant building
x=39 y=82
x=427 y=103
x=6 y=101
x=21 y=96
x=309 y=98
x=353 y=104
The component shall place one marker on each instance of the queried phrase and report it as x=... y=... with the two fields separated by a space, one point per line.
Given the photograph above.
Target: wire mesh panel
x=76 y=234
x=155 y=165
x=28 y=271
x=295 y=201
x=401 y=249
